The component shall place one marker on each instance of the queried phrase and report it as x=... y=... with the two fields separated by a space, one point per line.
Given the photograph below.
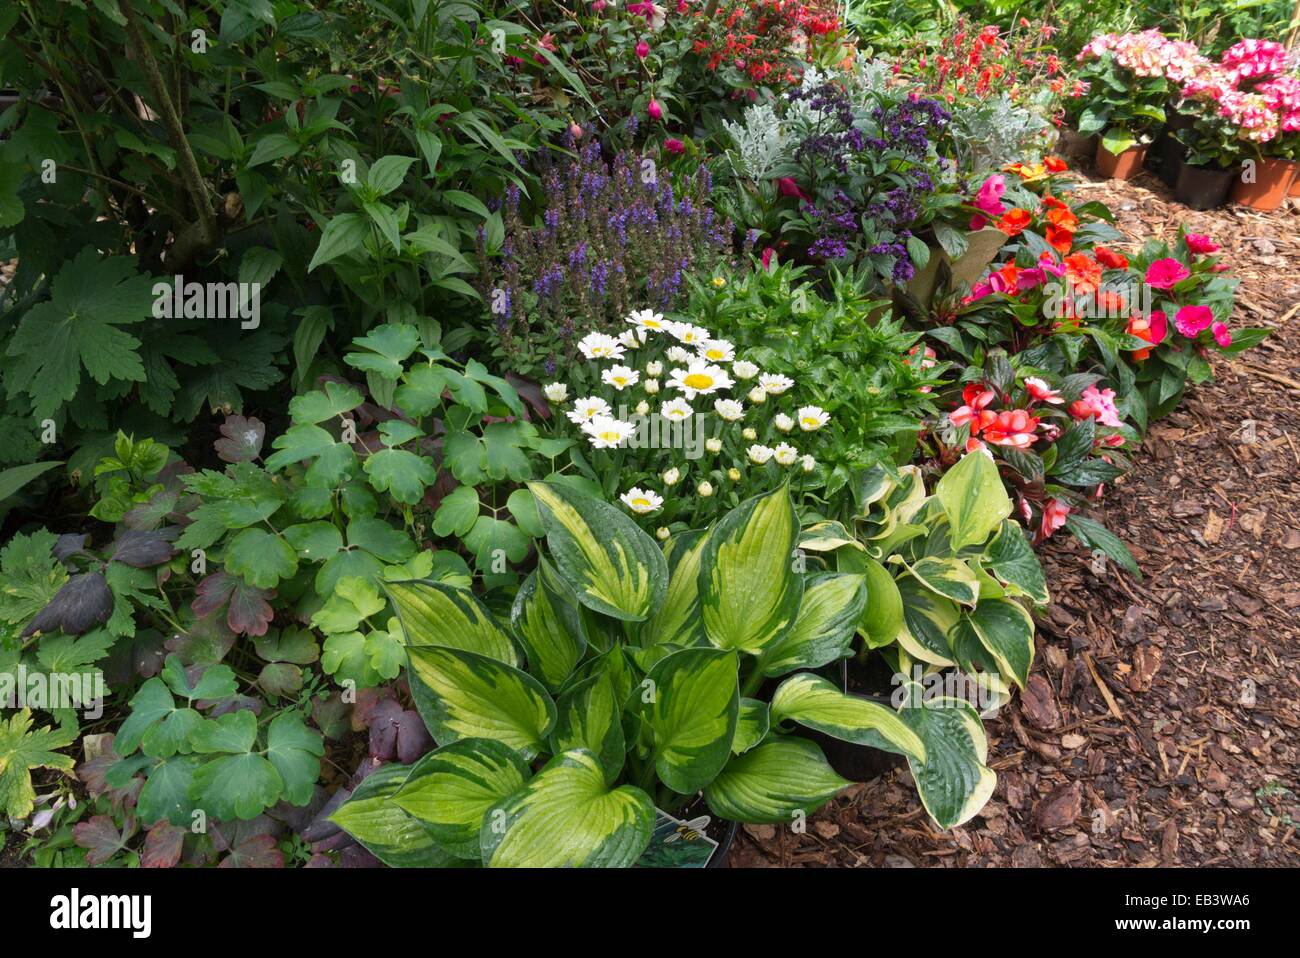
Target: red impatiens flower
x=1014 y=427
x=1110 y=259
x=1014 y=222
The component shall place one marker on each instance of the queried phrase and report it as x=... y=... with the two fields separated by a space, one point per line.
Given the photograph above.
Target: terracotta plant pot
x=1295 y=185
x=1273 y=179
x=1203 y=187
x=1123 y=167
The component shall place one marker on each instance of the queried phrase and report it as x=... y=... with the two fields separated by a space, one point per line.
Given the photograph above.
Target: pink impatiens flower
x=1054 y=513
x=1164 y=273
x=1098 y=404
x=1221 y=335
x=1200 y=243
x=1190 y=320
x=1042 y=392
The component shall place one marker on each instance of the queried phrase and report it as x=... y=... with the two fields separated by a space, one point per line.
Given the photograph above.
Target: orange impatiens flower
x=1061 y=215
x=1014 y=222
x=1083 y=272
x=1055 y=164
x=1060 y=239
x=1110 y=259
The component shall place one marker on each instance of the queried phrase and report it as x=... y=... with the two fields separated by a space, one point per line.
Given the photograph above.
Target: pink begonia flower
x=655 y=111
x=673 y=145
x=988 y=199
x=1054 y=513
x=1221 y=335
x=642 y=49
x=1200 y=243
x=1159 y=326
x=1164 y=273
x=1190 y=320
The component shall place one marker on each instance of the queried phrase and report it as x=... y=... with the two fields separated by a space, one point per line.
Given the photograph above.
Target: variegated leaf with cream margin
x=947 y=576
x=814 y=702
x=954 y=781
x=548 y=622
x=678 y=620
x=749 y=590
x=927 y=620
x=752 y=725
x=693 y=702
x=387 y=831
x=883 y=615
x=1007 y=632
x=567 y=817
x=774 y=783
x=589 y=714
x=432 y=613
x=465 y=695
x=974 y=498
x=450 y=788
x=613 y=567
x=1012 y=562
x=827 y=537
x=829 y=615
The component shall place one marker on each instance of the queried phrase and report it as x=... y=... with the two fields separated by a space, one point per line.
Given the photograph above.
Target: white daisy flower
x=620 y=377
x=677 y=354
x=759 y=454
x=782 y=422
x=774 y=384
x=585 y=410
x=629 y=339
x=786 y=454
x=689 y=334
x=808 y=463
x=647 y=321
x=757 y=396
x=718 y=351
x=744 y=369
x=812 y=418
x=699 y=378
x=654 y=368
x=606 y=432
x=728 y=409
x=600 y=346
x=642 y=501
x=676 y=410
x=672 y=476
x=556 y=392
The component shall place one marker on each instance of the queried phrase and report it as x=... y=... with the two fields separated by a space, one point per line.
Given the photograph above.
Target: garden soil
x=1161 y=724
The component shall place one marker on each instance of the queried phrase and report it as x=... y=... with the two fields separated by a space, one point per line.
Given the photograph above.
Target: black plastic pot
x=719 y=859
x=1202 y=187
x=859 y=763
x=1167 y=157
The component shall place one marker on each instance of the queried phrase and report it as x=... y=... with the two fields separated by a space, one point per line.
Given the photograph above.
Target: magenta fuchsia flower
x=655 y=111
x=1190 y=320
x=1221 y=335
x=674 y=146
x=1200 y=243
x=1165 y=273
x=642 y=49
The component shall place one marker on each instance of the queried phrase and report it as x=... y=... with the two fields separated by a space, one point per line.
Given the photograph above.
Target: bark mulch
x=1159 y=726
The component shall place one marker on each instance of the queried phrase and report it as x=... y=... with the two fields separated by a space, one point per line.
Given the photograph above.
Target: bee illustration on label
x=689 y=831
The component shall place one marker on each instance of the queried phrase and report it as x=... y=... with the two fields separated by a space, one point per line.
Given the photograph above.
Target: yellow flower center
x=641 y=503
x=698 y=381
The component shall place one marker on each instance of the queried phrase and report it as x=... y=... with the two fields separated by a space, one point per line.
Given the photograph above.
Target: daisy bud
x=757 y=395
x=733 y=474
x=652 y=386
x=749 y=434
x=643 y=408
x=671 y=476
x=713 y=445
x=705 y=489
x=662 y=532
x=556 y=392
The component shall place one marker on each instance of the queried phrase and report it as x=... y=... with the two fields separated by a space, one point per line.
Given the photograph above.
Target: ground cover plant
x=469 y=433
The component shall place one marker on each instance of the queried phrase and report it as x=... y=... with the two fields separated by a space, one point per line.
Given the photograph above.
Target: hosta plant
x=630 y=677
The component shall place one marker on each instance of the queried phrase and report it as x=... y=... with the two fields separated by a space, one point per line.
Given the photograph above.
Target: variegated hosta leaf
x=870 y=485
x=883 y=616
x=389 y=832
x=567 y=817
x=949 y=577
x=678 y=620
x=749 y=589
x=954 y=782
x=752 y=726
x=927 y=620
x=1013 y=562
x=547 y=620
x=974 y=499
x=466 y=695
x=450 y=788
x=828 y=617
x=589 y=715
x=612 y=566
x=827 y=537
x=432 y=613
x=776 y=783
x=689 y=703
x=908 y=497
x=814 y=702
x=1007 y=632
x=614 y=664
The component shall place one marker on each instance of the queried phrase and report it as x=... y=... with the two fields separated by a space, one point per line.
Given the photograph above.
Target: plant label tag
x=677 y=843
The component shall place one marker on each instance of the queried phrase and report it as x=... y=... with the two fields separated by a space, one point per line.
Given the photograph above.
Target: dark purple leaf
x=397 y=733
x=100 y=837
x=242 y=439
x=354 y=856
x=208 y=640
x=142 y=548
x=249 y=611
x=332 y=715
x=259 y=852
x=321 y=828
x=84 y=602
x=151 y=514
x=297 y=817
x=319 y=861
x=531 y=393
x=69 y=544
x=233 y=703
x=162 y=846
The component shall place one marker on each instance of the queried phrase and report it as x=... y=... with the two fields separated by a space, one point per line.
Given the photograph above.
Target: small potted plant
x=1212 y=155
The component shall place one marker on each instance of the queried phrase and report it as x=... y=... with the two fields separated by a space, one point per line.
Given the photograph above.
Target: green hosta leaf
x=813 y=701
x=261 y=558
x=589 y=715
x=21 y=750
x=972 y=495
x=694 y=702
x=927 y=620
x=295 y=751
x=390 y=833
x=948 y=577
x=548 y=622
x=749 y=591
x=832 y=607
x=752 y=725
x=465 y=695
x=450 y=789
x=883 y=616
x=436 y=614
x=678 y=621
x=566 y=816
x=1007 y=631
x=403 y=474
x=1012 y=562
x=954 y=783
x=609 y=562
x=777 y=782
